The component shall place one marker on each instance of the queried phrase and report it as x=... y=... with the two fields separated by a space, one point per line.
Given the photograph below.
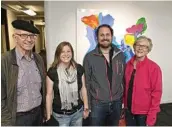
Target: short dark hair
x=104 y=25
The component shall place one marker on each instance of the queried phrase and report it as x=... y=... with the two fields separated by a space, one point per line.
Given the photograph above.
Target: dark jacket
x=98 y=85
x=9 y=77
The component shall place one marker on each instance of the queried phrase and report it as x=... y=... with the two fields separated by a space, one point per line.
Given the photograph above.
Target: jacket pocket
x=97 y=94
x=120 y=68
x=122 y=87
x=147 y=97
x=147 y=92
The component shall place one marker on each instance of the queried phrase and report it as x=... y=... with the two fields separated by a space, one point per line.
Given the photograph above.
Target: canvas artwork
x=87 y=22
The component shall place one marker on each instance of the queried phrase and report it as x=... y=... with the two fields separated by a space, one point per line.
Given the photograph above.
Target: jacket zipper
x=97 y=95
x=108 y=82
x=117 y=67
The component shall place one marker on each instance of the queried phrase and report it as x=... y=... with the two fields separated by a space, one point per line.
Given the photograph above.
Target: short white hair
x=141 y=38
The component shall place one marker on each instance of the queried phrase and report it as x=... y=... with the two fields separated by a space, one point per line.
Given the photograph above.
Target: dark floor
x=164 y=118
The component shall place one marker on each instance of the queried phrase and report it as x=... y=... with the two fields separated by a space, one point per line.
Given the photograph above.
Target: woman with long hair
x=65 y=79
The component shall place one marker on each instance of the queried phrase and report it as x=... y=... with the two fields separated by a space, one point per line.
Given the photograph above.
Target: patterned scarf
x=68 y=86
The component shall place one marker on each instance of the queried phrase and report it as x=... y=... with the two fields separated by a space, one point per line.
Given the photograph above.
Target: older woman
x=66 y=78
x=143 y=88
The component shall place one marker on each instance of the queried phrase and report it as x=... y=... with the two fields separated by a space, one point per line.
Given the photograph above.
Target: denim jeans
x=106 y=113
x=30 y=119
x=135 y=119
x=70 y=120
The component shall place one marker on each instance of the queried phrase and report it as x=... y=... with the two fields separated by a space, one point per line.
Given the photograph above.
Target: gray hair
x=141 y=38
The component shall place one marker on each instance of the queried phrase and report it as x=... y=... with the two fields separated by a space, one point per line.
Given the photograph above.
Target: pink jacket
x=147 y=88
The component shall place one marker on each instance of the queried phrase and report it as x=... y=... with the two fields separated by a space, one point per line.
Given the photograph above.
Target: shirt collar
x=20 y=55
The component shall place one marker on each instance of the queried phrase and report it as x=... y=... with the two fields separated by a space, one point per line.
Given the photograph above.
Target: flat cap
x=25 y=25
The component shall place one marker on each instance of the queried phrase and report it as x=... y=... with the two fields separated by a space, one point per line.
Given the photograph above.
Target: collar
x=20 y=55
x=139 y=63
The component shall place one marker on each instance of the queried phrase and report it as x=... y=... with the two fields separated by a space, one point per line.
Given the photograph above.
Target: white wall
x=10 y=17
x=61 y=17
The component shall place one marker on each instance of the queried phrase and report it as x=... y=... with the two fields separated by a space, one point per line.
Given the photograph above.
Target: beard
x=106 y=45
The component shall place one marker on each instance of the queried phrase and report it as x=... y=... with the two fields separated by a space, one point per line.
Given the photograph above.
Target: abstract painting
x=87 y=24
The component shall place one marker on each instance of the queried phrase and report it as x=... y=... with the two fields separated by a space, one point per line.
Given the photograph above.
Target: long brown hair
x=59 y=51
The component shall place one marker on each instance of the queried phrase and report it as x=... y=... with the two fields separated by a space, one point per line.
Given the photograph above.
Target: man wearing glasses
x=143 y=89
x=22 y=79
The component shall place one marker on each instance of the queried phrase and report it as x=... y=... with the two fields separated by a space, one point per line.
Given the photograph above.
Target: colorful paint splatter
x=125 y=44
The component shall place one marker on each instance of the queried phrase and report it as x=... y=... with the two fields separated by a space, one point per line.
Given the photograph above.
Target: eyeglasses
x=141 y=46
x=25 y=36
